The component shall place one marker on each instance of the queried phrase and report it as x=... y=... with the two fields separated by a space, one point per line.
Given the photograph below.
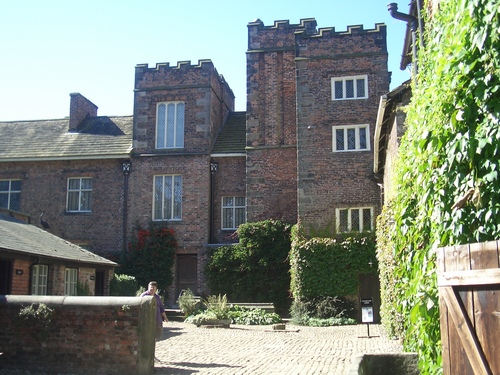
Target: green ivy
x=447 y=174
x=330 y=266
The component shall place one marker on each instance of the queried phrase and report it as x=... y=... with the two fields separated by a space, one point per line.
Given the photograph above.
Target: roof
x=232 y=137
x=20 y=237
x=383 y=125
x=97 y=138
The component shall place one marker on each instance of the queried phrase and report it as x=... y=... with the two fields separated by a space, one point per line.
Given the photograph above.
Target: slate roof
x=232 y=137
x=18 y=236
x=96 y=138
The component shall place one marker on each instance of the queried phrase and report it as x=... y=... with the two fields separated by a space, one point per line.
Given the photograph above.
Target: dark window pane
x=339 y=136
x=351 y=139
x=362 y=138
x=338 y=90
x=360 y=88
x=349 y=88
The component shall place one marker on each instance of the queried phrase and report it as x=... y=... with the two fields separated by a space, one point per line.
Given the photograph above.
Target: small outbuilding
x=35 y=262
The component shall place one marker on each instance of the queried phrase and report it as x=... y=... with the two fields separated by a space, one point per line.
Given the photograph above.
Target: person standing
x=160 y=309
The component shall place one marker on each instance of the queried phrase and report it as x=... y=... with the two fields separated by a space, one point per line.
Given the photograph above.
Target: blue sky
x=51 y=48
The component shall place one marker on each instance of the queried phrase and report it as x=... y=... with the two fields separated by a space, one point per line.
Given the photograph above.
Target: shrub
x=151 y=256
x=123 y=285
x=322 y=311
x=187 y=303
x=252 y=316
x=257 y=268
x=217 y=305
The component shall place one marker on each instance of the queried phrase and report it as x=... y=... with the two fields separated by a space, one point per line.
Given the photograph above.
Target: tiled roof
x=18 y=236
x=96 y=138
x=232 y=137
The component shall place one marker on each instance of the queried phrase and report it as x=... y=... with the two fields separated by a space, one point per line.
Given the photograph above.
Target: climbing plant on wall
x=151 y=256
x=447 y=175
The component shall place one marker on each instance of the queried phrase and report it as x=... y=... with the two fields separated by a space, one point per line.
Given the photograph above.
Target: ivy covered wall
x=447 y=176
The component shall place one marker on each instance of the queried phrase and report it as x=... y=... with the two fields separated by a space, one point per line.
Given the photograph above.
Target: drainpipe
x=213 y=169
x=126 y=167
x=412 y=22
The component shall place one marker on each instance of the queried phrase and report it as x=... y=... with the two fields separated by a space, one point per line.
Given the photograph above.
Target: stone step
x=174 y=314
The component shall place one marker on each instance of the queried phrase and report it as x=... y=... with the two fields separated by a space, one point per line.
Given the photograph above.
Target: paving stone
x=241 y=350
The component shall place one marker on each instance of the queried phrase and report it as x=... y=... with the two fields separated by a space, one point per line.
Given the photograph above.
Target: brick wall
x=80 y=108
x=20 y=276
x=328 y=180
x=44 y=188
x=85 y=335
x=229 y=182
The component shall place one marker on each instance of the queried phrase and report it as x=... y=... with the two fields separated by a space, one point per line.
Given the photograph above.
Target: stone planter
x=215 y=323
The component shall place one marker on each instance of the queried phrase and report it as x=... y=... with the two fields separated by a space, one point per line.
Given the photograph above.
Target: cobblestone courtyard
x=188 y=349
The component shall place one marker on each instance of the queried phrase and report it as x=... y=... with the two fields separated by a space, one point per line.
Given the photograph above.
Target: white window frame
x=346 y=129
x=164 y=127
x=344 y=81
x=361 y=223
x=39 y=279
x=83 y=195
x=230 y=207
x=70 y=281
x=10 y=192
x=167 y=197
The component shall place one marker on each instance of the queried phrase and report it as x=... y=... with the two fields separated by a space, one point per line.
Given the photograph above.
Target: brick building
x=301 y=151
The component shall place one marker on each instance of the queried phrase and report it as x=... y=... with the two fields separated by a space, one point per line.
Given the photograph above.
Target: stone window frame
x=39 y=280
x=229 y=212
x=344 y=82
x=345 y=137
x=345 y=223
x=163 y=128
x=10 y=192
x=79 y=198
x=167 y=207
x=70 y=281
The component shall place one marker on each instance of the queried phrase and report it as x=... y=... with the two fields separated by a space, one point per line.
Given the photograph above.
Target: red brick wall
x=229 y=182
x=20 y=283
x=44 y=188
x=328 y=180
x=85 y=335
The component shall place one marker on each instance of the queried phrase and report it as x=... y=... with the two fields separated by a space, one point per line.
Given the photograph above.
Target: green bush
x=187 y=303
x=217 y=305
x=257 y=268
x=252 y=316
x=322 y=311
x=151 y=256
x=123 y=285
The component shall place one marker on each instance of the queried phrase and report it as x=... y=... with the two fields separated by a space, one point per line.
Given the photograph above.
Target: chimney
x=80 y=108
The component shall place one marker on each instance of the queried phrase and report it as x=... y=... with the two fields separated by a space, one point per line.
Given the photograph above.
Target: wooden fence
x=469 y=289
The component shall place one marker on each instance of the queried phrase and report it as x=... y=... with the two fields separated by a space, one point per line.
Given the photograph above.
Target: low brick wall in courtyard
x=77 y=335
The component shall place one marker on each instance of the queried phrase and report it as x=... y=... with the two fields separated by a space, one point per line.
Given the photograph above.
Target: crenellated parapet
x=184 y=74
x=354 y=41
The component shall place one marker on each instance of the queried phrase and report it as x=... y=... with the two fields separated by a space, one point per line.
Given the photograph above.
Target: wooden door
x=469 y=288
x=187 y=271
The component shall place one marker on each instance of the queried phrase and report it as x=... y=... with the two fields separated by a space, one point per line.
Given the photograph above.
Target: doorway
x=5 y=277
x=187 y=272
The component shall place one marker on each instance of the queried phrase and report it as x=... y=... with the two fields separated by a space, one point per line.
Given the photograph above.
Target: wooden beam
x=489 y=276
x=465 y=331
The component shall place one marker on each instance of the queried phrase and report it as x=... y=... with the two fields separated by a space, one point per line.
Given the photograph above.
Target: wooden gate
x=469 y=287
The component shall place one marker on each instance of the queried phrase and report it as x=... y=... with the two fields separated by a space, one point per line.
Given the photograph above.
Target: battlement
x=351 y=30
x=307 y=24
x=180 y=65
